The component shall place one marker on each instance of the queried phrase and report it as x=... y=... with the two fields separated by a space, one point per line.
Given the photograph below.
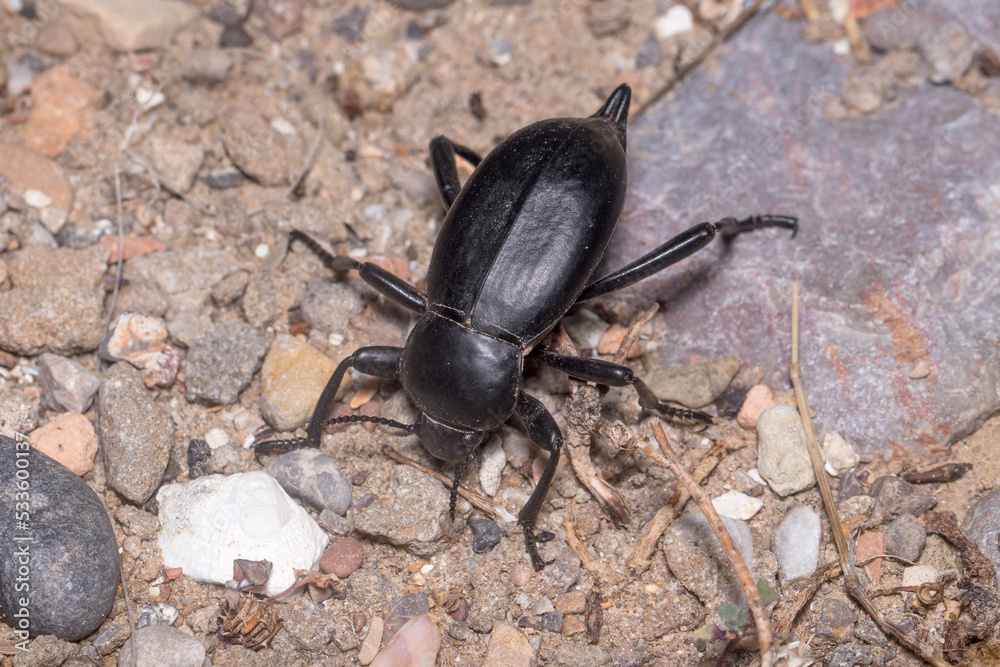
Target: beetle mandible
x=518 y=247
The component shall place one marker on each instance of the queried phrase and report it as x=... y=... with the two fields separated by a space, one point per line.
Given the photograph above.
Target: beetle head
x=446 y=442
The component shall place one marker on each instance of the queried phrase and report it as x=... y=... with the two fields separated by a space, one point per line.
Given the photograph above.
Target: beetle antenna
x=381 y=421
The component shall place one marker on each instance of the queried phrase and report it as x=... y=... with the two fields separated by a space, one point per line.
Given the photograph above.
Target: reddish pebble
x=521 y=574
x=69 y=439
x=573 y=625
x=342 y=557
x=574 y=602
x=871 y=543
x=758 y=399
x=462 y=610
x=611 y=340
x=132 y=246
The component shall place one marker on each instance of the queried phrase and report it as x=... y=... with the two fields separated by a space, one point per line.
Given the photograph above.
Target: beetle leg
x=386 y=283
x=544 y=432
x=617 y=375
x=459 y=473
x=443 y=151
x=683 y=245
x=379 y=361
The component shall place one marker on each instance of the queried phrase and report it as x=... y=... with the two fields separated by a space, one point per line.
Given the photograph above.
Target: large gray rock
x=897 y=251
x=70 y=565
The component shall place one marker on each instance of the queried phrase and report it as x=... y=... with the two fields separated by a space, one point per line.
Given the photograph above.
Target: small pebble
x=852 y=655
x=982 y=526
x=949 y=50
x=676 y=21
x=224 y=179
x=871 y=543
x=69 y=439
x=521 y=574
x=158 y=613
x=782 y=453
x=905 y=537
x=919 y=574
x=759 y=398
x=491 y=466
x=553 y=621
x=693 y=386
x=408 y=513
x=796 y=543
x=292 y=378
x=508 y=647
x=459 y=631
x=350 y=25
x=737 y=505
x=696 y=558
x=208 y=67
x=198 y=454
x=574 y=602
x=66 y=385
x=369 y=648
x=37 y=198
x=894 y=496
x=487 y=535
x=56 y=39
x=332 y=522
x=221 y=364
x=920 y=370
x=314 y=477
x=573 y=625
x=838 y=454
x=836 y=620
x=415 y=645
x=342 y=557
x=161 y=645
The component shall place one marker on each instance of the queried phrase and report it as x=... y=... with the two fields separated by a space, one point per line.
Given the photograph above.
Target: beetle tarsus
x=530 y=542
x=730 y=227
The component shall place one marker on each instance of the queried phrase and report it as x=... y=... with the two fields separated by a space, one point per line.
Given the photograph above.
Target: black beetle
x=517 y=248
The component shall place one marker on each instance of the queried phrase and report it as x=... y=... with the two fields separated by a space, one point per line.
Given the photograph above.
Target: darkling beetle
x=517 y=248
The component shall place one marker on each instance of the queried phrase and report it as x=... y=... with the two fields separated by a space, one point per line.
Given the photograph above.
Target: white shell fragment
x=214 y=520
x=737 y=505
x=838 y=454
x=677 y=20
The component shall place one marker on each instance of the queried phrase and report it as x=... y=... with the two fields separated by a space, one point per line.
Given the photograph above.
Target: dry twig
x=642 y=555
x=589 y=563
x=669 y=460
x=852 y=582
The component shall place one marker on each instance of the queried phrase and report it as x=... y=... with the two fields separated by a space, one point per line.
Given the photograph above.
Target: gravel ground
x=317 y=117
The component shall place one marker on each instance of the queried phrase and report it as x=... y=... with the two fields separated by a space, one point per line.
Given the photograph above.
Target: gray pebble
x=694 y=386
x=487 y=535
x=867 y=631
x=894 y=496
x=851 y=655
x=136 y=435
x=198 y=454
x=553 y=621
x=230 y=288
x=18 y=413
x=313 y=477
x=182 y=272
x=650 y=54
x=420 y=5
x=221 y=364
x=208 y=67
x=69 y=283
x=409 y=513
x=269 y=296
x=459 y=630
x=982 y=526
x=849 y=486
x=73 y=564
x=371 y=590
x=256 y=148
x=350 y=25
x=329 y=306
x=408 y=606
x=176 y=163
x=836 y=619
x=162 y=646
x=949 y=51
x=782 y=454
x=224 y=179
x=895 y=29
x=158 y=613
x=189 y=325
x=333 y=523
x=905 y=537
x=565 y=568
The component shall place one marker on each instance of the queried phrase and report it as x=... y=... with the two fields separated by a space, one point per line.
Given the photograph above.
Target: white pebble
x=282 y=126
x=212 y=521
x=262 y=251
x=36 y=198
x=755 y=476
x=796 y=543
x=216 y=438
x=838 y=454
x=148 y=98
x=737 y=505
x=677 y=20
x=493 y=461
x=415 y=645
x=919 y=574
